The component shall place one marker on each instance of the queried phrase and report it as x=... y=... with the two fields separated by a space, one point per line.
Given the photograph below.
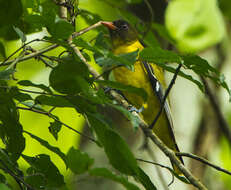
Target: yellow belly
x=140 y=79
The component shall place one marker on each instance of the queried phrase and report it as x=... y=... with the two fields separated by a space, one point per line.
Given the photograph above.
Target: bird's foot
x=132 y=109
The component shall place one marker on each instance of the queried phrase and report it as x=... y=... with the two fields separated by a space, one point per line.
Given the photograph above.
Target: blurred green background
x=201 y=27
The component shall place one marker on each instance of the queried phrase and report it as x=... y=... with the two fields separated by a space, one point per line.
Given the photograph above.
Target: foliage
x=72 y=85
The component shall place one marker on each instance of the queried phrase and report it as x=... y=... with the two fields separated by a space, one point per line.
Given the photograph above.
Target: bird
x=149 y=76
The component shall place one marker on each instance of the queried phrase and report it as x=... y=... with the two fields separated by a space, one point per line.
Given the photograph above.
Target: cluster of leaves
x=72 y=85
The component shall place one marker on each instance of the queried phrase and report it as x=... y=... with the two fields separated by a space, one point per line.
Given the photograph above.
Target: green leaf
x=20 y=34
x=118 y=152
x=2 y=179
x=10 y=126
x=89 y=17
x=2 y=51
x=54 y=128
x=11 y=164
x=29 y=83
x=127 y=88
x=195 y=25
x=5 y=74
x=145 y=180
x=57 y=101
x=36 y=180
x=4 y=187
x=16 y=94
x=86 y=45
x=10 y=11
x=46 y=144
x=109 y=59
x=61 y=29
x=43 y=165
x=79 y=162
x=202 y=68
x=182 y=74
x=104 y=172
x=82 y=104
x=156 y=54
x=70 y=77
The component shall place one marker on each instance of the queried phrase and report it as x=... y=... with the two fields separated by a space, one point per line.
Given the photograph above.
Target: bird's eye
x=124 y=27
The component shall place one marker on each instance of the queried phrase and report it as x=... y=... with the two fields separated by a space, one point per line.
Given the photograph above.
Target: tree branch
x=203 y=160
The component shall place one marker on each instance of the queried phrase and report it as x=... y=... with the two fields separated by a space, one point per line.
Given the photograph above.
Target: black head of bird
x=121 y=32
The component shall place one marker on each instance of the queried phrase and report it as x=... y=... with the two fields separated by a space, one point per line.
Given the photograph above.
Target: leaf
x=104 y=172
x=10 y=126
x=37 y=181
x=2 y=51
x=43 y=165
x=54 y=128
x=86 y=45
x=69 y=78
x=182 y=74
x=57 y=101
x=127 y=88
x=195 y=25
x=118 y=152
x=82 y=104
x=2 y=179
x=89 y=17
x=79 y=162
x=156 y=54
x=16 y=94
x=29 y=83
x=5 y=74
x=109 y=59
x=201 y=67
x=145 y=180
x=20 y=34
x=4 y=187
x=10 y=12
x=46 y=144
x=5 y=158
x=61 y=29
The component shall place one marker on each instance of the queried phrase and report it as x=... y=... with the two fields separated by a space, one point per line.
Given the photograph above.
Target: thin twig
x=54 y=118
x=24 y=45
x=223 y=124
x=160 y=165
x=203 y=160
x=31 y=55
x=165 y=96
x=76 y=34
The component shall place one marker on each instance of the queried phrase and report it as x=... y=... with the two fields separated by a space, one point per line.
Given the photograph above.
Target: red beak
x=109 y=25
